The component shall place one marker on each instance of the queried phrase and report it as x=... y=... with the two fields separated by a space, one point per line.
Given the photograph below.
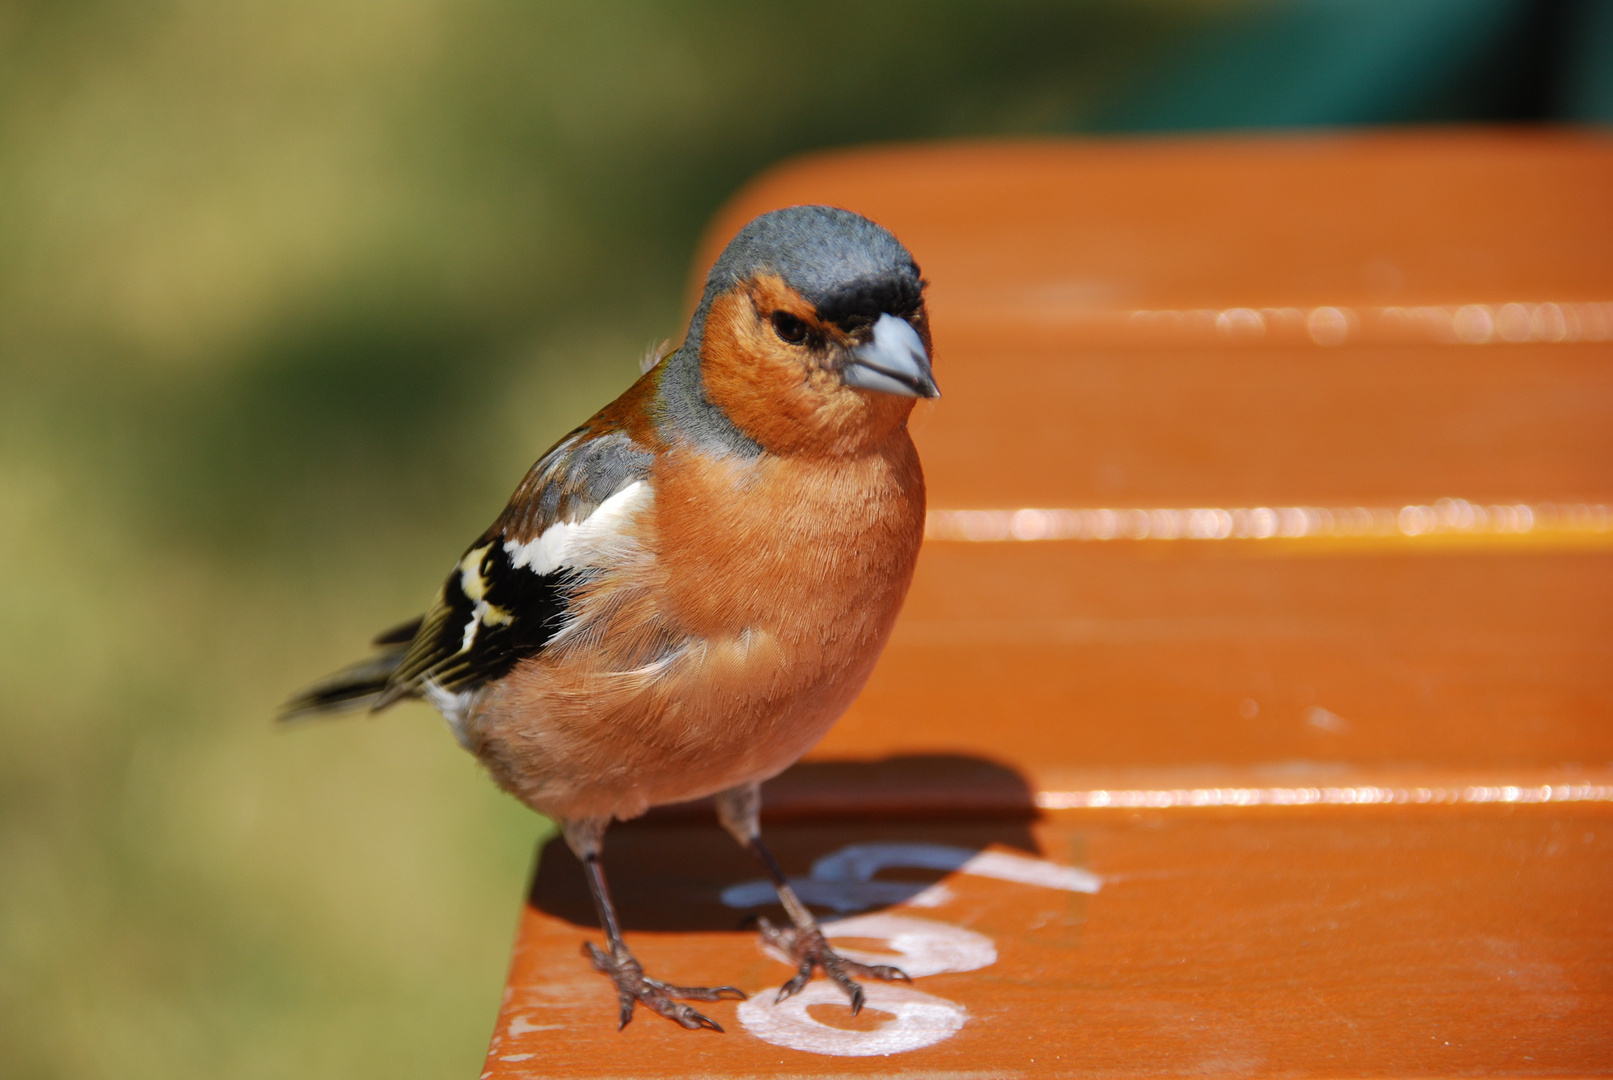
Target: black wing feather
x=531 y=609
x=401 y=634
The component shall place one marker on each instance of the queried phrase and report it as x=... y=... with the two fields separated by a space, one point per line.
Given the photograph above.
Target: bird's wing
x=508 y=596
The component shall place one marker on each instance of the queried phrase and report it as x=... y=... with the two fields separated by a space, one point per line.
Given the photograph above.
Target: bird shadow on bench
x=852 y=835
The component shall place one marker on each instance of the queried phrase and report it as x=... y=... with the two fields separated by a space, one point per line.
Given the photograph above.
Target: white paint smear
x=922 y=946
x=860 y=862
x=843 y=880
x=840 y=895
x=918 y=1020
x=520 y=1025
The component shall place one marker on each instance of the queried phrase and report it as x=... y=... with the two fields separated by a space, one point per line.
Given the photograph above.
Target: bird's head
x=811 y=335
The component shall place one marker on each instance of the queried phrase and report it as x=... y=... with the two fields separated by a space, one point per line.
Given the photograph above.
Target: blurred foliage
x=290 y=296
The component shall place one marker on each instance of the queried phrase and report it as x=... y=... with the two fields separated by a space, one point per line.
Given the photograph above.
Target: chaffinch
x=688 y=590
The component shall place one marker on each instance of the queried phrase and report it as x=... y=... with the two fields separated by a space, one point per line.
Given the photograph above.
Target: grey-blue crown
x=821 y=252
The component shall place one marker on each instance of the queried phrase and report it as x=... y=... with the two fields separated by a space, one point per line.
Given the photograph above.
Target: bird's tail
x=357 y=686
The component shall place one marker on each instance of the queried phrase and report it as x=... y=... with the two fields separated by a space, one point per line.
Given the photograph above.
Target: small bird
x=686 y=592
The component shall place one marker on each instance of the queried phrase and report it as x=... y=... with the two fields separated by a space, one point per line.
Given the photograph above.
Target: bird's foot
x=809 y=949
x=632 y=985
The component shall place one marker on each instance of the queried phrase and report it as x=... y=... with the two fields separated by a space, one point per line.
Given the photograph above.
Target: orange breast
x=814 y=550
x=774 y=583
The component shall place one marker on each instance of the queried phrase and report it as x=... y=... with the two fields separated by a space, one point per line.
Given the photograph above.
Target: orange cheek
x=758 y=380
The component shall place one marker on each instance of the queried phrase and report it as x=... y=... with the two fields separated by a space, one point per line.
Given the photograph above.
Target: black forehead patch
x=861 y=302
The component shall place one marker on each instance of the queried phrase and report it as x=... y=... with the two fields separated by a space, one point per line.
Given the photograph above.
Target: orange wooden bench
x=1252 y=709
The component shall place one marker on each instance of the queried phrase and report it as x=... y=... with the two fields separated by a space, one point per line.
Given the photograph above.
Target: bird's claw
x=632 y=985
x=809 y=949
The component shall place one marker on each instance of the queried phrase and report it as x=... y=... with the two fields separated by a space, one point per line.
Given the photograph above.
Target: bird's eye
x=789 y=328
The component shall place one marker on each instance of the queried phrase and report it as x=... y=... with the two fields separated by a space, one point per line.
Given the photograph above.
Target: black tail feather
x=357 y=686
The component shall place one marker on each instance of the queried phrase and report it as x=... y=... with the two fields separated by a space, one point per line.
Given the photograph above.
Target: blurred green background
x=290 y=296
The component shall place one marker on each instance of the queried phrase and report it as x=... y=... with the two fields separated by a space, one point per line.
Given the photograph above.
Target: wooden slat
x=1345 y=790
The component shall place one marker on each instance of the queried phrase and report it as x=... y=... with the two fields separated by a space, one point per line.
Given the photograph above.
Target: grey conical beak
x=894 y=362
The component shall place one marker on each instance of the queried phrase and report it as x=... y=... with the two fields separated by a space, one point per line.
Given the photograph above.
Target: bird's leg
x=632 y=985
x=738 y=810
x=805 y=944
